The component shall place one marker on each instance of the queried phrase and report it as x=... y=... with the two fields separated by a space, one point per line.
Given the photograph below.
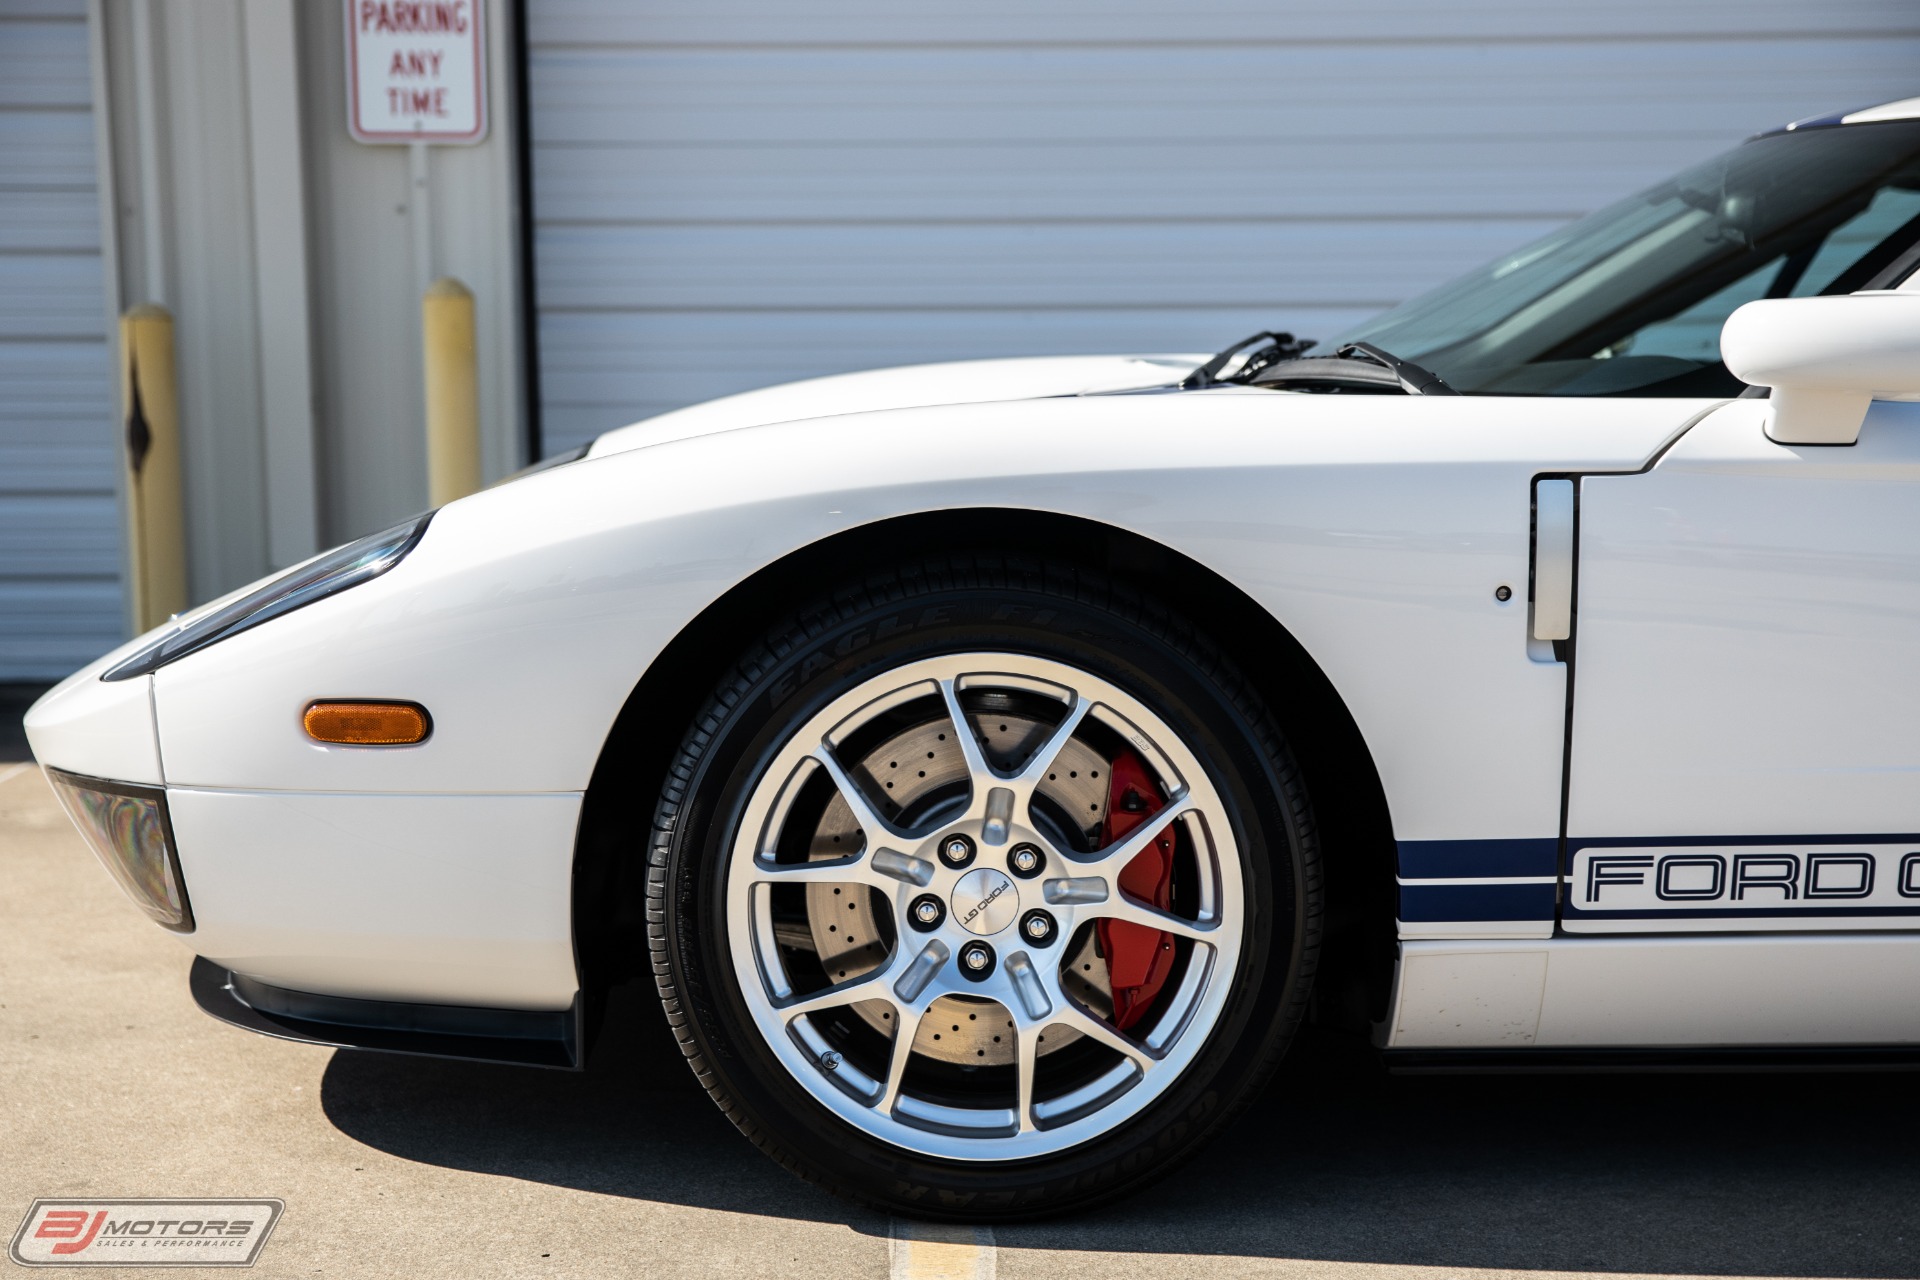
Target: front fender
x=1374 y=528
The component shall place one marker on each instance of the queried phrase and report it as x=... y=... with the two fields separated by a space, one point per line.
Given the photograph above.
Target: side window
x=1694 y=334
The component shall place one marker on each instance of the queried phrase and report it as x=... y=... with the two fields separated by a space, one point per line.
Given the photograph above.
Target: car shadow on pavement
x=1703 y=1174
x=634 y=1123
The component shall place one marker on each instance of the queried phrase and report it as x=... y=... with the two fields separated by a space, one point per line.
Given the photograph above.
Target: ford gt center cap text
x=985 y=901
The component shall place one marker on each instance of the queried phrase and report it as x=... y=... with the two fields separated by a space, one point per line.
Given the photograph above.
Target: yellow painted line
x=940 y=1251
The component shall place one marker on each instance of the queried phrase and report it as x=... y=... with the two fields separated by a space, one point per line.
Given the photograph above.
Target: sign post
x=417 y=74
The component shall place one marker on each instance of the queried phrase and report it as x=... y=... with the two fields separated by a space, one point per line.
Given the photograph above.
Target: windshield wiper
x=1358 y=364
x=1280 y=346
x=1413 y=379
x=1284 y=348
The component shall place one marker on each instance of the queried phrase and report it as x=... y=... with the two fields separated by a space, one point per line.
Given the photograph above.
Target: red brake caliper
x=1138 y=957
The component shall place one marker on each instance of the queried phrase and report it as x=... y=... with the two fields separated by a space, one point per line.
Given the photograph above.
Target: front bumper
x=459 y=900
x=448 y=898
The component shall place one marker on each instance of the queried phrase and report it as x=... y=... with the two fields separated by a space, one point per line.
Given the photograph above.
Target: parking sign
x=416 y=71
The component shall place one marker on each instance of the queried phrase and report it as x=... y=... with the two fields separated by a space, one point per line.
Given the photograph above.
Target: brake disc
x=957 y=1029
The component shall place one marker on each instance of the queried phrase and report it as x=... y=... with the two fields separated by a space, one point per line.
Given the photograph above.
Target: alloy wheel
x=984 y=906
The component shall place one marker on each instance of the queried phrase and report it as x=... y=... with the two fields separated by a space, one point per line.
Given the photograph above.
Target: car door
x=1744 y=752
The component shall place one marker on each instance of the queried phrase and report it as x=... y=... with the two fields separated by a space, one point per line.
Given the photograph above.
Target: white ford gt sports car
x=994 y=764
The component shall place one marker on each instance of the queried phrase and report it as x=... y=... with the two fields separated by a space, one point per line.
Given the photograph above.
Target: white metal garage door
x=60 y=601
x=731 y=193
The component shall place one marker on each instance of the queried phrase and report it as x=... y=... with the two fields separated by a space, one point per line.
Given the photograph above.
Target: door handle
x=1552 y=589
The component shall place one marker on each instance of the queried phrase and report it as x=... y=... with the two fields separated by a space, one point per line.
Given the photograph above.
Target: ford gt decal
x=1753 y=883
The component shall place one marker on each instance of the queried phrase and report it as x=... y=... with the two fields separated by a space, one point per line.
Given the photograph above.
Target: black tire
x=957 y=604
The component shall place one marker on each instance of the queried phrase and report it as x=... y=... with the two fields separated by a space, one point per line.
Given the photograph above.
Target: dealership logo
x=144 y=1233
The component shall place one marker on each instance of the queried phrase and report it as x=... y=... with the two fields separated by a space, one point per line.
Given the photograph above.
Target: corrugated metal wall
x=60 y=601
x=731 y=193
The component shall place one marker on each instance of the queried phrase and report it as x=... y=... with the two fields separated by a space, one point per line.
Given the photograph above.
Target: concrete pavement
x=113 y=1084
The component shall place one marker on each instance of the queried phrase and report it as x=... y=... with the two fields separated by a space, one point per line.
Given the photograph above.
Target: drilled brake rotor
x=904 y=769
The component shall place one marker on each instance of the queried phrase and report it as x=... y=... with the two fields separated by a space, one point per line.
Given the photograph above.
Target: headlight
x=322 y=576
x=128 y=829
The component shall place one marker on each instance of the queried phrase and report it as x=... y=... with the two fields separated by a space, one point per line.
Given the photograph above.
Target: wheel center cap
x=985 y=901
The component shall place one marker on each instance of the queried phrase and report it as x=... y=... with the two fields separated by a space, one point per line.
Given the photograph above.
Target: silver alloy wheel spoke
x=1070 y=890
x=1037 y=996
x=877 y=830
x=978 y=772
x=916 y=977
x=1096 y=1029
x=1043 y=757
x=903 y=867
x=1114 y=858
x=1123 y=907
x=867 y=987
x=875 y=866
x=1026 y=1064
x=906 y=1026
x=858 y=870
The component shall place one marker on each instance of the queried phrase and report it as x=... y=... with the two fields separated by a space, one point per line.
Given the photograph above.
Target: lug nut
x=926 y=912
x=956 y=851
x=1026 y=861
x=1038 y=927
x=976 y=961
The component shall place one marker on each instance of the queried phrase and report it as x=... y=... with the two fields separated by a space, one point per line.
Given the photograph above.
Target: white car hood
x=907 y=387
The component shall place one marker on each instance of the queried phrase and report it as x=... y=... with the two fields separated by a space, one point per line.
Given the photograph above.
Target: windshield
x=1630 y=300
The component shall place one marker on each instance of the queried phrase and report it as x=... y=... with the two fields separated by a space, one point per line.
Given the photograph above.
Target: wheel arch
x=610 y=867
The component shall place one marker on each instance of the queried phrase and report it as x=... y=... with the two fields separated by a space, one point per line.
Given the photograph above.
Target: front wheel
x=984 y=891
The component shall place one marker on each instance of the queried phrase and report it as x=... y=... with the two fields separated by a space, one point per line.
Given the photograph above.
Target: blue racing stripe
x=1425 y=902
x=1475 y=859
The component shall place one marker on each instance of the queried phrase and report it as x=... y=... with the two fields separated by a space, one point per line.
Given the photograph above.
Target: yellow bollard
x=156 y=518
x=453 y=392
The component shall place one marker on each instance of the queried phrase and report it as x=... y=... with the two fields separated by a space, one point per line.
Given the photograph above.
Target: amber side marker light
x=368 y=724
